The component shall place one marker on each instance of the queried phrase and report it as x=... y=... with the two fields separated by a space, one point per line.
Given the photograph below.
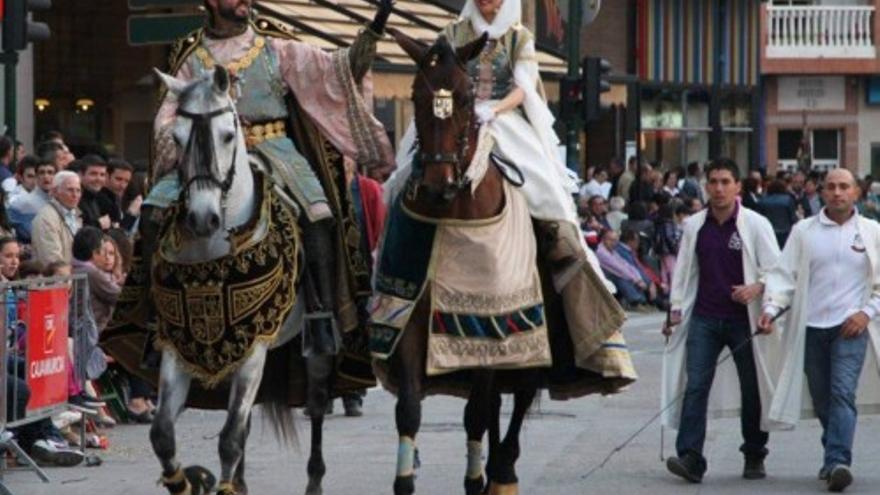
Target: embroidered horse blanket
x=487 y=306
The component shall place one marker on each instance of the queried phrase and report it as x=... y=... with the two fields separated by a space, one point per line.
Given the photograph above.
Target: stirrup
x=320 y=336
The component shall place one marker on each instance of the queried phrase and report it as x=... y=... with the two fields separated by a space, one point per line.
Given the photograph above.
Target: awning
x=333 y=24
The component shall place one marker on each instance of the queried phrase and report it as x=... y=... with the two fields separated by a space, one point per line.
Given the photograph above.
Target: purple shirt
x=720 y=258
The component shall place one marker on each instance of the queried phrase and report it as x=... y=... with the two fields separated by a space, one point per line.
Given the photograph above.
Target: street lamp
x=84 y=104
x=42 y=104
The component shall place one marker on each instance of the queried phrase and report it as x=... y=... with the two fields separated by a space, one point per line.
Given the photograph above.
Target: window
x=824 y=148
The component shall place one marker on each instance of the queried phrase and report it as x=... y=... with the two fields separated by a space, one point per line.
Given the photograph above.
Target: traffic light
x=595 y=73
x=570 y=91
x=18 y=30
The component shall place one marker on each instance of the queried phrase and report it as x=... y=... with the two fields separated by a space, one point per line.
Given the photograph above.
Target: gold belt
x=257 y=133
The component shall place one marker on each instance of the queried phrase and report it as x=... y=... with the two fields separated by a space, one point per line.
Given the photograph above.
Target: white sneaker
x=66 y=418
x=55 y=453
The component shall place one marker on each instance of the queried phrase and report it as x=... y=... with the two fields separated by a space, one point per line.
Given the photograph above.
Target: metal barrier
x=42 y=320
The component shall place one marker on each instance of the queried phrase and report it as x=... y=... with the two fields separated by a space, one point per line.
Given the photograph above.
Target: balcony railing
x=844 y=32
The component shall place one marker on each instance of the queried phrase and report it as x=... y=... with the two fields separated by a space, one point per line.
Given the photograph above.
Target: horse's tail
x=275 y=391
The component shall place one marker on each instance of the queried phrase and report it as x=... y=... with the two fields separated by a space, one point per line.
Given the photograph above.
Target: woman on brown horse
x=449 y=322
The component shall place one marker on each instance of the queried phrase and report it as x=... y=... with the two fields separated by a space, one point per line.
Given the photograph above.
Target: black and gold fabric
x=211 y=314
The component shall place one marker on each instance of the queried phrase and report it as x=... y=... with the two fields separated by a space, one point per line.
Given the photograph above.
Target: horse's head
x=210 y=143
x=444 y=112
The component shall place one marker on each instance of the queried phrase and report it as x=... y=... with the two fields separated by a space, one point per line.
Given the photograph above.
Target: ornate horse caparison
x=219 y=197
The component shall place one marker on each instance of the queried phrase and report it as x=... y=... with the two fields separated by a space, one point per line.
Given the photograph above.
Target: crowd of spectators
x=632 y=216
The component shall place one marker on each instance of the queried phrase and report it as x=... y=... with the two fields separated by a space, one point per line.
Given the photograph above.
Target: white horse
x=218 y=196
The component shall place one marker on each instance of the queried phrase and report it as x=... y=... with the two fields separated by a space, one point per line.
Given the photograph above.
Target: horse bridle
x=201 y=124
x=455 y=158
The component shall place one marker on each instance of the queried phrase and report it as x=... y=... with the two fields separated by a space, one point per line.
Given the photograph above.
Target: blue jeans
x=833 y=365
x=626 y=289
x=706 y=338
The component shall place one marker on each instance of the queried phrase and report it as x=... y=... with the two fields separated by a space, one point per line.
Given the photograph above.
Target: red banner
x=46 y=318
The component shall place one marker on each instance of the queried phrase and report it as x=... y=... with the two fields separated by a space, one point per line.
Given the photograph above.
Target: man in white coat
x=829 y=275
x=715 y=298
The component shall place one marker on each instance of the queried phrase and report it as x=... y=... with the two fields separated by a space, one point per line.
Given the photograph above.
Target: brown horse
x=447 y=137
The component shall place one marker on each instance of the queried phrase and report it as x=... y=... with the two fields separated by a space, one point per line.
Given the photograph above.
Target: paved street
x=561 y=442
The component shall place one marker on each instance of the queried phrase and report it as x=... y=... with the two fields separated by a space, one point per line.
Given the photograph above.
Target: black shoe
x=687 y=467
x=839 y=478
x=823 y=474
x=144 y=417
x=754 y=469
x=83 y=399
x=352 y=408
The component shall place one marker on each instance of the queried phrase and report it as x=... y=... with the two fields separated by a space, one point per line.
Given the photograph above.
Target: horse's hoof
x=314 y=488
x=503 y=489
x=201 y=480
x=474 y=486
x=405 y=485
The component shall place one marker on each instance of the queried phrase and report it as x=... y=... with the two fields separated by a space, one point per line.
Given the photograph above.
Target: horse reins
x=201 y=126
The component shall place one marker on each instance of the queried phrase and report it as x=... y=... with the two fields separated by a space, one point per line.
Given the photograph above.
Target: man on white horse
x=267 y=68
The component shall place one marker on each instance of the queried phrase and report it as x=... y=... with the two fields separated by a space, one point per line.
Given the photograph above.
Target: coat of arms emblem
x=443 y=104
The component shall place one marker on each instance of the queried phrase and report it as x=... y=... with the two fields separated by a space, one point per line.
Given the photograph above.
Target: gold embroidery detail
x=237 y=66
x=259 y=133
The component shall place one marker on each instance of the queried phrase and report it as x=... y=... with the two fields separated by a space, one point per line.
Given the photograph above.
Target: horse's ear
x=413 y=47
x=172 y=83
x=221 y=80
x=471 y=50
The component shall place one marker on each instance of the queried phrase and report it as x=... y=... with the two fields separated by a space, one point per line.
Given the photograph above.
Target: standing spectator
x=597 y=186
x=624 y=183
x=811 y=202
x=670 y=183
x=779 y=207
x=616 y=216
x=642 y=189
x=615 y=172
x=751 y=193
x=694 y=205
x=691 y=187
x=56 y=154
x=639 y=222
x=796 y=186
x=869 y=206
x=119 y=175
x=58 y=221
x=7 y=157
x=716 y=288
x=96 y=207
x=25 y=179
x=94 y=254
x=24 y=207
x=666 y=238
x=829 y=276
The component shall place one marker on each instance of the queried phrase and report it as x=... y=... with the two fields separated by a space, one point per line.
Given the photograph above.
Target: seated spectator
x=58 y=221
x=616 y=216
x=599 y=210
x=779 y=207
x=626 y=277
x=98 y=209
x=598 y=185
x=24 y=207
x=629 y=248
x=639 y=222
x=41 y=440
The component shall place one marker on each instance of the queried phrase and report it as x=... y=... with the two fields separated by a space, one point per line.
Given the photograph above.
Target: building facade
x=819 y=63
